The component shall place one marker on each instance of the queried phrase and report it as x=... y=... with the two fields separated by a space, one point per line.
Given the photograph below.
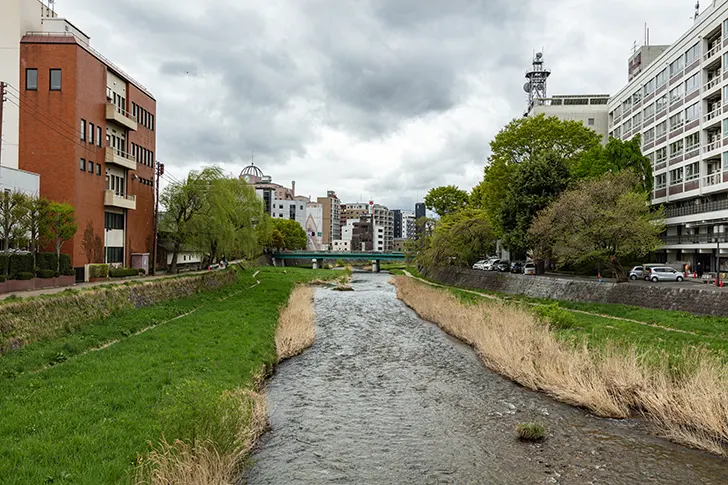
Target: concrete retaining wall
x=689 y=298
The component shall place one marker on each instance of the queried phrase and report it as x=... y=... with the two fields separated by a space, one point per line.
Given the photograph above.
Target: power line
x=48 y=115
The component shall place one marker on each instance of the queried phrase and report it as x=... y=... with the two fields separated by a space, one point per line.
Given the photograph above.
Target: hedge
x=98 y=270
x=123 y=272
x=13 y=264
x=49 y=261
x=24 y=275
x=45 y=273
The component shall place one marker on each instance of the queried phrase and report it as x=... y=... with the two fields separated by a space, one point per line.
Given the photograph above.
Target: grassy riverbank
x=599 y=324
x=88 y=418
x=613 y=372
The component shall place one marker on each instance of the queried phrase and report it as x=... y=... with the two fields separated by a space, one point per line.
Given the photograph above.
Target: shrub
x=45 y=273
x=556 y=316
x=3 y=278
x=21 y=263
x=65 y=263
x=69 y=272
x=98 y=270
x=24 y=275
x=56 y=274
x=123 y=272
x=142 y=271
x=531 y=431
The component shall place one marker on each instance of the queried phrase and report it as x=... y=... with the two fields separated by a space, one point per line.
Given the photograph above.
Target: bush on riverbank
x=689 y=404
x=531 y=432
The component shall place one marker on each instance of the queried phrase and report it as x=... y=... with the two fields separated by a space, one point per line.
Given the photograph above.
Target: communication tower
x=536 y=81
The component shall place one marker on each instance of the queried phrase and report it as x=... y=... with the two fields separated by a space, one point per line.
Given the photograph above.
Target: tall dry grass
x=296 y=329
x=204 y=461
x=690 y=407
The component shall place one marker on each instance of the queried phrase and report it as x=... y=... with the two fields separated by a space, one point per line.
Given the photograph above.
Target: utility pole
x=2 y=102
x=159 y=172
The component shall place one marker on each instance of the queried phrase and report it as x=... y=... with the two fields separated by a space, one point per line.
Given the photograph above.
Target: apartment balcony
x=120 y=116
x=120 y=158
x=120 y=201
x=695 y=209
x=711 y=147
x=711 y=85
x=712 y=118
x=712 y=53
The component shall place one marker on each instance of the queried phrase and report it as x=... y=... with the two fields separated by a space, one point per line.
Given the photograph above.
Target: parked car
x=665 y=273
x=636 y=273
x=491 y=264
x=503 y=267
x=529 y=268
x=647 y=268
x=517 y=267
x=480 y=264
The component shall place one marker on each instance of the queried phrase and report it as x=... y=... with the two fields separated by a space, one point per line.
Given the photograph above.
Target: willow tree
x=183 y=201
x=459 y=239
x=600 y=220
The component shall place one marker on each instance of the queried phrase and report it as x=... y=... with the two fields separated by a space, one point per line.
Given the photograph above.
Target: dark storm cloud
x=378 y=97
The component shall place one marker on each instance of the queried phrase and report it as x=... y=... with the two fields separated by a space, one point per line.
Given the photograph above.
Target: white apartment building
x=408 y=224
x=383 y=221
x=679 y=103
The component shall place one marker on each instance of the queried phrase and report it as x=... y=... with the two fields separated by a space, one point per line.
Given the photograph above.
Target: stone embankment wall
x=28 y=321
x=688 y=298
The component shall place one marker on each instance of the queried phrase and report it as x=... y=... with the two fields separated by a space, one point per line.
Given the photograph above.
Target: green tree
x=225 y=224
x=182 y=202
x=519 y=141
x=277 y=240
x=446 y=200
x=294 y=236
x=58 y=226
x=37 y=210
x=601 y=220
x=535 y=182
x=616 y=156
x=459 y=239
x=13 y=217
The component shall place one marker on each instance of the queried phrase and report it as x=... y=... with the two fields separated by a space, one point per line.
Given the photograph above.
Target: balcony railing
x=712 y=115
x=711 y=146
x=693 y=209
x=711 y=84
x=121 y=116
x=712 y=179
x=695 y=239
x=714 y=50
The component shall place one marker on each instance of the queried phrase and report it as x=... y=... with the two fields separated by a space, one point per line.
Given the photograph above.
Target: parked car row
x=655 y=273
x=505 y=266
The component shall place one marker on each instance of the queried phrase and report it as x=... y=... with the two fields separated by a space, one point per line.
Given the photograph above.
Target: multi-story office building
x=87 y=128
x=362 y=238
x=353 y=211
x=420 y=210
x=679 y=104
x=590 y=109
x=331 y=218
x=280 y=202
x=383 y=221
x=397 y=217
x=408 y=225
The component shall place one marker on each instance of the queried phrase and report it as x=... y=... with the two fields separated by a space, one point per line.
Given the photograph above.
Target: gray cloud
x=372 y=98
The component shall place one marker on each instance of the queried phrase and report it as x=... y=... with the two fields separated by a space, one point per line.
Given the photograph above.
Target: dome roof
x=252 y=171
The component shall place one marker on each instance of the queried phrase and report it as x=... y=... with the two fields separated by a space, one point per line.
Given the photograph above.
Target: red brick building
x=89 y=130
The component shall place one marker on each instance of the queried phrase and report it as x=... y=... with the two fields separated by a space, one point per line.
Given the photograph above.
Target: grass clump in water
x=531 y=432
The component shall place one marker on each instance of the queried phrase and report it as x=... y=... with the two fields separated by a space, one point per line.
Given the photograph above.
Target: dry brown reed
x=204 y=463
x=296 y=329
x=690 y=407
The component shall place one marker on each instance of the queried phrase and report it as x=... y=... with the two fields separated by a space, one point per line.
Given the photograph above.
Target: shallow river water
x=384 y=397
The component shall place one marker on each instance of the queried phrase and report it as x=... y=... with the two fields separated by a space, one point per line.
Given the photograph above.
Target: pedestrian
x=700 y=269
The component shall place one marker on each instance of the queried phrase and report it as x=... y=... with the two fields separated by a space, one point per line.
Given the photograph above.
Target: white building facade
x=590 y=109
x=679 y=104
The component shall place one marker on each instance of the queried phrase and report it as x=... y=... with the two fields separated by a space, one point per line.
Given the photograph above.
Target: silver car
x=664 y=273
x=637 y=273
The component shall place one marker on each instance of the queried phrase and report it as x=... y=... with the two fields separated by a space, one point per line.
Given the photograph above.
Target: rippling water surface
x=384 y=397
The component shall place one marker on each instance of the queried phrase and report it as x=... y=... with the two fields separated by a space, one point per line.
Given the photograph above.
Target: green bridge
x=317 y=257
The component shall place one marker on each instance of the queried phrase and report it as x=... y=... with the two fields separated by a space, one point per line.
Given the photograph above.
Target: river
x=384 y=397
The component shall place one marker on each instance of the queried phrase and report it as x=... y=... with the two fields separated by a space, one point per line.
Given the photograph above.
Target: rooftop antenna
x=536 y=77
x=697 y=10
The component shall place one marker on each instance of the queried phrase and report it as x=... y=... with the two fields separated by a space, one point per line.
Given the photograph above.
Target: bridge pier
x=376 y=266
x=315 y=263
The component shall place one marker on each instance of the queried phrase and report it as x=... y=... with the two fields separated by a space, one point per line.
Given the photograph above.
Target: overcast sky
x=379 y=99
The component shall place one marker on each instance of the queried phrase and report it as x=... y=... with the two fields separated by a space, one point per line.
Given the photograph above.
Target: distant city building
x=399 y=244
x=331 y=218
x=642 y=58
x=408 y=224
x=362 y=238
x=383 y=228
x=314 y=226
x=280 y=202
x=340 y=245
x=397 y=215
x=420 y=210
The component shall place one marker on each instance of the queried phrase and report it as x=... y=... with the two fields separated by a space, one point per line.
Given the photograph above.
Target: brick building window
x=83 y=165
x=83 y=130
x=91 y=133
x=98 y=135
x=55 y=80
x=31 y=79
x=114 y=255
x=90 y=166
x=98 y=169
